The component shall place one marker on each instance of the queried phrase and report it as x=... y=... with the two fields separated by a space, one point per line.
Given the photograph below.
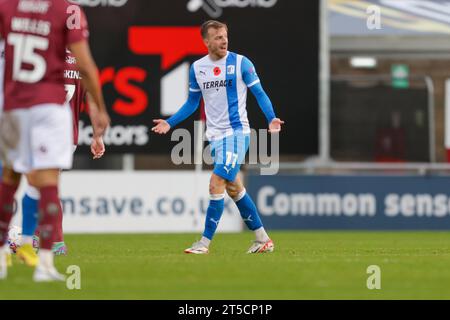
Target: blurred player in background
x=222 y=78
x=2 y=71
x=36 y=124
x=76 y=97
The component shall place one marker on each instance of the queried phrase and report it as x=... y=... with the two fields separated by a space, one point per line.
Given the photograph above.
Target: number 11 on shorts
x=231 y=159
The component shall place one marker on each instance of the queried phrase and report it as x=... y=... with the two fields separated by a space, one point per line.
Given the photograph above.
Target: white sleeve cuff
x=253 y=83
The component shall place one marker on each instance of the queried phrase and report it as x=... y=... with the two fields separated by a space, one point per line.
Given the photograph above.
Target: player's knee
x=31 y=179
x=217 y=185
x=215 y=189
x=236 y=192
x=232 y=191
x=10 y=176
x=43 y=178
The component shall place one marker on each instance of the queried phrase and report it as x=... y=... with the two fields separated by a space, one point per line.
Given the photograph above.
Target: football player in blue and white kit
x=222 y=78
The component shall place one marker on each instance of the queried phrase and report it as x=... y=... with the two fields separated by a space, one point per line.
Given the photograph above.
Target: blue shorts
x=229 y=153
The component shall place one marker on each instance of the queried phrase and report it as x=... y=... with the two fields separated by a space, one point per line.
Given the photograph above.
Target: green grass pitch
x=305 y=265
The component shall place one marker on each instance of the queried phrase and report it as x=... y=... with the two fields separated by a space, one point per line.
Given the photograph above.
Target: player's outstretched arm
x=91 y=82
x=97 y=145
x=266 y=106
x=252 y=81
x=94 y=113
x=163 y=126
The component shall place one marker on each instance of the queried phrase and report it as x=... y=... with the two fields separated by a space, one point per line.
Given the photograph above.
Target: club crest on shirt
x=231 y=69
x=71 y=60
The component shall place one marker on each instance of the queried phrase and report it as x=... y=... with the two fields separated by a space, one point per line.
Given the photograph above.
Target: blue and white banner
x=352 y=202
x=137 y=202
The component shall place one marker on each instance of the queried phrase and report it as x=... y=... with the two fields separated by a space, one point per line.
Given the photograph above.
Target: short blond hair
x=211 y=24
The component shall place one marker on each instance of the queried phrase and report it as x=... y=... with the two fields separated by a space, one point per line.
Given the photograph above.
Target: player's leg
x=59 y=247
x=217 y=186
x=250 y=215
x=213 y=214
x=8 y=187
x=30 y=212
x=52 y=145
x=236 y=149
x=30 y=202
x=49 y=208
x=13 y=142
x=215 y=208
x=228 y=154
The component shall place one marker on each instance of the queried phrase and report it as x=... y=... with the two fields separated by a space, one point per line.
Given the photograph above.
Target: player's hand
x=162 y=127
x=275 y=125
x=97 y=147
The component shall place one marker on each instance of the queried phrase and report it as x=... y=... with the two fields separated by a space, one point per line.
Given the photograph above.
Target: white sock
x=27 y=240
x=32 y=192
x=261 y=235
x=46 y=258
x=205 y=241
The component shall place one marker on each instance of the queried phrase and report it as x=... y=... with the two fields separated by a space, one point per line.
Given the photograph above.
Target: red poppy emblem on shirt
x=217 y=71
